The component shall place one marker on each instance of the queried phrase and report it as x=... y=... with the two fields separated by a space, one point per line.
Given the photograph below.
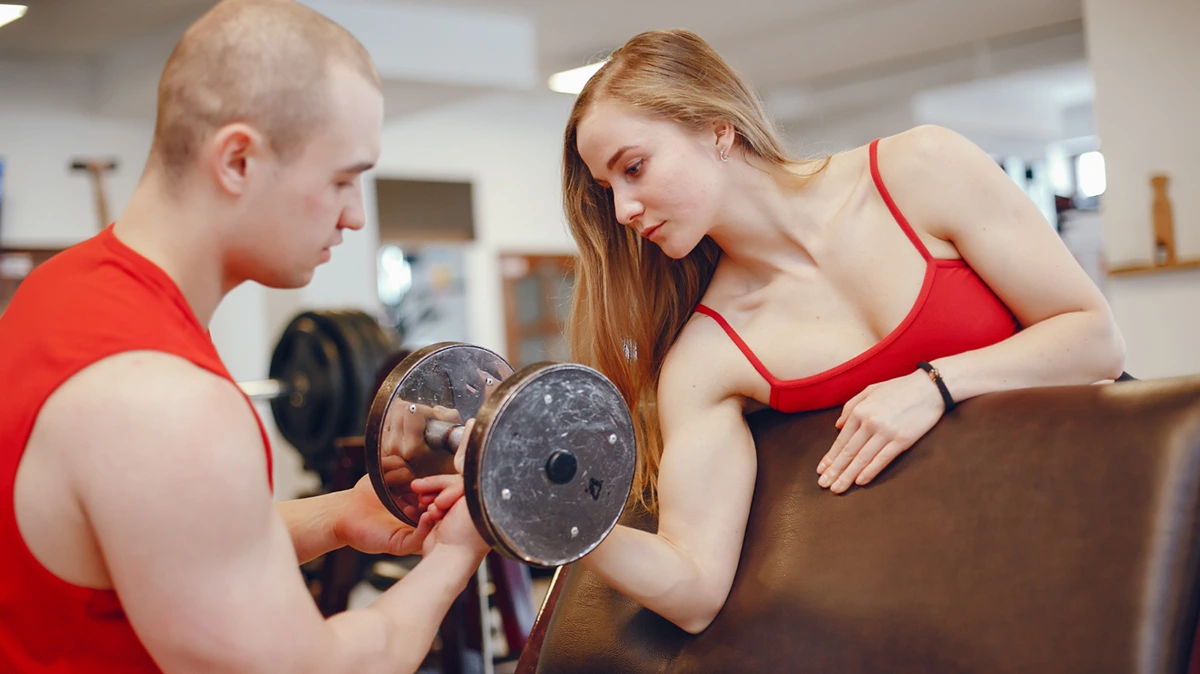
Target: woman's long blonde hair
x=631 y=300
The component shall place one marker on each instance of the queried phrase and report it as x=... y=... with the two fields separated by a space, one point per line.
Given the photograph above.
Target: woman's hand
x=877 y=425
x=439 y=493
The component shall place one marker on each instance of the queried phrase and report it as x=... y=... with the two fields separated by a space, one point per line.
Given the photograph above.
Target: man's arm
x=309 y=522
x=171 y=474
x=354 y=517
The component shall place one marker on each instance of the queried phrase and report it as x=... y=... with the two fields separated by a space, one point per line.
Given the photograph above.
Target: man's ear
x=235 y=150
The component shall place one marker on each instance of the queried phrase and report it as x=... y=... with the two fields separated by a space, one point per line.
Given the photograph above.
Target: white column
x=1143 y=57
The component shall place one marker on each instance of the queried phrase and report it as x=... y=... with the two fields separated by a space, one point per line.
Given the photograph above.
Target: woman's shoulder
x=934 y=174
x=703 y=357
x=914 y=148
x=923 y=148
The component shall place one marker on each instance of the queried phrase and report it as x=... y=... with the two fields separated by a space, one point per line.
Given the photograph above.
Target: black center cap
x=561 y=466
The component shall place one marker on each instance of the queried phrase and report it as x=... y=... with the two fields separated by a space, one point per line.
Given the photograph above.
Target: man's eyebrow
x=358 y=168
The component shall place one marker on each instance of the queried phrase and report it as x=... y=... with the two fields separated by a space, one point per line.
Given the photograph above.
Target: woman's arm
x=706 y=482
x=1069 y=335
x=951 y=189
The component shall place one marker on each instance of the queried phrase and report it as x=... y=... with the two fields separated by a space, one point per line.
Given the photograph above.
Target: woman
x=716 y=277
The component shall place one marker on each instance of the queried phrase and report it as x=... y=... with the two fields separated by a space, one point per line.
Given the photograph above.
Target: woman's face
x=665 y=179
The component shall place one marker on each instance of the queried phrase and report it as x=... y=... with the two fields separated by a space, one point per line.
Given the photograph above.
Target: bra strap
x=700 y=308
x=891 y=204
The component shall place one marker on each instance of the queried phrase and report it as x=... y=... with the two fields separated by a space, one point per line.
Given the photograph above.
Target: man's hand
x=364 y=524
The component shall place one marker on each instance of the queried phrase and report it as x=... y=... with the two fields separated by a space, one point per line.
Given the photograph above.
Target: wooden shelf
x=1142 y=269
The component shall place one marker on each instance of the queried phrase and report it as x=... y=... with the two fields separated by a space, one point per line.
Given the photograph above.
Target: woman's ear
x=724 y=133
x=724 y=137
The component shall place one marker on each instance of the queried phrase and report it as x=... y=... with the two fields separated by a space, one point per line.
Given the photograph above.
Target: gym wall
x=509 y=147
x=45 y=123
x=1143 y=58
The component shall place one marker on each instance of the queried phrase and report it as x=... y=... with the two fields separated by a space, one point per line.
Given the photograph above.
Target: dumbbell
x=549 y=462
x=322 y=377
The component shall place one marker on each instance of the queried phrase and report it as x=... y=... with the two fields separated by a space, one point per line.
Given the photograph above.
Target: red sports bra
x=954 y=312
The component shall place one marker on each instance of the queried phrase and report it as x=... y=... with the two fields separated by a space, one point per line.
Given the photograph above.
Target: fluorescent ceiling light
x=1090 y=167
x=10 y=13
x=572 y=81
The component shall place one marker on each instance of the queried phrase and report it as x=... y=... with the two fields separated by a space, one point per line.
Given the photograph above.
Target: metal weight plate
x=383 y=346
x=308 y=362
x=355 y=366
x=550 y=463
x=367 y=359
x=380 y=344
x=378 y=335
x=447 y=383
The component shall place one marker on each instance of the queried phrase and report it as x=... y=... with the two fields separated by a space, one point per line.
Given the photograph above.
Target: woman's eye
x=634 y=170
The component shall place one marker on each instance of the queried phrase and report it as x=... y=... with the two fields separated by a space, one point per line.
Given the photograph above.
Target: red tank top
x=954 y=312
x=94 y=300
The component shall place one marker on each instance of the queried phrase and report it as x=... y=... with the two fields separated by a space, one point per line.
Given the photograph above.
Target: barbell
x=322 y=377
x=550 y=459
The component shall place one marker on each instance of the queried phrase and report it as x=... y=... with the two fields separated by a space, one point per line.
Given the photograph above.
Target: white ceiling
x=64 y=29
x=786 y=47
x=1065 y=85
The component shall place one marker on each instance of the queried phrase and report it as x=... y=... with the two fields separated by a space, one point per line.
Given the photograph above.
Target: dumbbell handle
x=443 y=435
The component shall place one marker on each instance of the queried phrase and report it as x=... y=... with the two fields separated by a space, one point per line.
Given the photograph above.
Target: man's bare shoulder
x=150 y=413
x=166 y=463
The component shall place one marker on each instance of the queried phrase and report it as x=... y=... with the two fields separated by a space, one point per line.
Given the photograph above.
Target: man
x=136 y=516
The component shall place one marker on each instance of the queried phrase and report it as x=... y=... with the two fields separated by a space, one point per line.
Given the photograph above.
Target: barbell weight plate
x=308 y=363
x=447 y=381
x=354 y=366
x=368 y=359
x=379 y=343
x=382 y=349
x=377 y=334
x=550 y=463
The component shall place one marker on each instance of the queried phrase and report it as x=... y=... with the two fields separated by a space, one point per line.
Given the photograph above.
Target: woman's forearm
x=1080 y=347
x=658 y=575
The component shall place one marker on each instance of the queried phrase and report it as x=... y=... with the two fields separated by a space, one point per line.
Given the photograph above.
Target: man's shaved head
x=266 y=63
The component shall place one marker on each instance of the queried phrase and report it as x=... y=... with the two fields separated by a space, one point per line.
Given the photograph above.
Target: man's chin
x=293 y=282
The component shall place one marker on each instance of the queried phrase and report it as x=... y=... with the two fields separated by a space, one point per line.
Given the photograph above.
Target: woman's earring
x=724 y=158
